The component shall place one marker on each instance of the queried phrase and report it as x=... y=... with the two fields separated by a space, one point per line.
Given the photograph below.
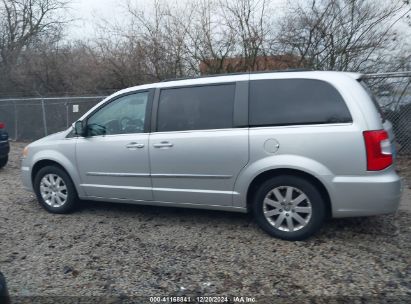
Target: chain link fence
x=32 y=118
x=29 y=119
x=393 y=93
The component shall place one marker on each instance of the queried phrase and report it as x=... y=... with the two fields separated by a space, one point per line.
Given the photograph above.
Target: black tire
x=3 y=161
x=314 y=222
x=72 y=198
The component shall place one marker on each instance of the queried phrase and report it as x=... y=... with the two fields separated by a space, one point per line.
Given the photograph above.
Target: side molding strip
x=118 y=174
x=212 y=176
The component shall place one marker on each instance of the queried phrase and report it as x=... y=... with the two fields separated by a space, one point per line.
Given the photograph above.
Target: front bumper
x=376 y=193
x=26 y=174
x=4 y=148
x=26 y=178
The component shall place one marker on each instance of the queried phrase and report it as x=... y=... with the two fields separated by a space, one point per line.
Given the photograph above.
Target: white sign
x=75 y=108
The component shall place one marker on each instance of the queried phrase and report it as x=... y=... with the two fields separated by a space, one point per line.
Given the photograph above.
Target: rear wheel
x=3 y=161
x=55 y=190
x=289 y=207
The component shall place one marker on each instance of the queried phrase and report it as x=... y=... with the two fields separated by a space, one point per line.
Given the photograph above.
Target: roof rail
x=388 y=74
x=237 y=73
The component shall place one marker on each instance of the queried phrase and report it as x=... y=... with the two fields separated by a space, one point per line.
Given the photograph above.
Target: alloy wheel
x=53 y=190
x=287 y=208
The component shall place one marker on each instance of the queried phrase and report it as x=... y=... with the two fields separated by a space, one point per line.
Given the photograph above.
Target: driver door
x=113 y=158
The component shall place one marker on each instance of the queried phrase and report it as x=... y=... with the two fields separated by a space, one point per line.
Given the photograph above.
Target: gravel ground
x=404 y=168
x=125 y=250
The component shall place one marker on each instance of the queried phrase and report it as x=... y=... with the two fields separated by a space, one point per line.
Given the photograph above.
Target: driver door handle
x=134 y=145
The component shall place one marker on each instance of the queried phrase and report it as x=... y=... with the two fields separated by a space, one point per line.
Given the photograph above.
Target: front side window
x=276 y=102
x=196 y=108
x=124 y=115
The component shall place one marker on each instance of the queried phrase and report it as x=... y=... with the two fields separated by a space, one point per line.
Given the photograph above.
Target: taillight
x=2 y=125
x=378 y=146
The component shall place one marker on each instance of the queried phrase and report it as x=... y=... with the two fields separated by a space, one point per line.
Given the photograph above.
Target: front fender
x=67 y=162
x=294 y=162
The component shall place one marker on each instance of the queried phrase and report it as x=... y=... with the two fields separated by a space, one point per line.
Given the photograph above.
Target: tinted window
x=196 y=108
x=295 y=101
x=121 y=116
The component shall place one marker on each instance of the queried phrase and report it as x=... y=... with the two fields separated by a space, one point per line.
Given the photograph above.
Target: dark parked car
x=4 y=294
x=4 y=145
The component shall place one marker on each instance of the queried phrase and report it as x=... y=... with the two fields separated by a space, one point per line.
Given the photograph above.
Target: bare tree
x=209 y=41
x=172 y=38
x=22 y=22
x=71 y=68
x=200 y=36
x=351 y=35
x=160 y=37
x=249 y=20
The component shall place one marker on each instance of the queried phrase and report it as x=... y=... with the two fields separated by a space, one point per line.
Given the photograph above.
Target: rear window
x=373 y=98
x=294 y=102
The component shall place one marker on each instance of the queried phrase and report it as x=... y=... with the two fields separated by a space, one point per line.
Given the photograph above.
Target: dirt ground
x=126 y=250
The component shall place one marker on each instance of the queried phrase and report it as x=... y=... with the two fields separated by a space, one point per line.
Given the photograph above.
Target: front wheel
x=55 y=190
x=289 y=207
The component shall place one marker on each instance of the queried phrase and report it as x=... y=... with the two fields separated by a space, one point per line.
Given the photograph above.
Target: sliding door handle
x=163 y=144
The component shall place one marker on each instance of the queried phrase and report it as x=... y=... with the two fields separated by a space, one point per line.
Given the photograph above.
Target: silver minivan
x=293 y=148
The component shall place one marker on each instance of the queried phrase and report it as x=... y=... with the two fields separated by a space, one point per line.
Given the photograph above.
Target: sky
x=86 y=12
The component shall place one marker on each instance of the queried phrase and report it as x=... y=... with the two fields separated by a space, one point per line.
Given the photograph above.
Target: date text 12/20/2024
x=202 y=299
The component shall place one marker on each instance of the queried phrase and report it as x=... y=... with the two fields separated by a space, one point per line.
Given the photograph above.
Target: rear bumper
x=377 y=193
x=4 y=148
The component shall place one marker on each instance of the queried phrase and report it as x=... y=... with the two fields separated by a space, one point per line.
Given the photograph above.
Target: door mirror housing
x=79 y=128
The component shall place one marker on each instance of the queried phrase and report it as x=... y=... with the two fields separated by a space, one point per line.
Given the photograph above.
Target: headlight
x=25 y=151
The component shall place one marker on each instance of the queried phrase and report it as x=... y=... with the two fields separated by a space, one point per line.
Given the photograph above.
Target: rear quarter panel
x=323 y=151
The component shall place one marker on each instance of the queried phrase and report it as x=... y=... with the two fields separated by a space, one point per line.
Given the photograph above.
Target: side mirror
x=79 y=128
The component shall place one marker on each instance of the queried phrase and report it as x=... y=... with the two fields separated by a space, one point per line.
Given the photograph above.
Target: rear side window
x=196 y=108
x=295 y=102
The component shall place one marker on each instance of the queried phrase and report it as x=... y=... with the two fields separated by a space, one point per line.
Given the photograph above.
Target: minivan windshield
x=373 y=98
